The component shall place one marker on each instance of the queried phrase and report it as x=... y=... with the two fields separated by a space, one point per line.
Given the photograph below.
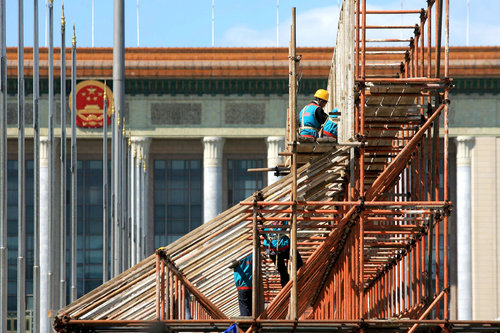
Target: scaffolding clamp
x=423 y=14
x=360 y=138
x=281 y=171
x=416 y=31
x=448 y=208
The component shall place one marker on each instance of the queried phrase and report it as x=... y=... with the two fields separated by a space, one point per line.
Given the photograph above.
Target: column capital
x=464 y=147
x=212 y=151
x=275 y=140
x=275 y=144
x=44 y=151
x=142 y=141
x=140 y=144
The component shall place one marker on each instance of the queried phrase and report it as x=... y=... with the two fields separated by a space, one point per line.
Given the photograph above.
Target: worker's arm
x=320 y=115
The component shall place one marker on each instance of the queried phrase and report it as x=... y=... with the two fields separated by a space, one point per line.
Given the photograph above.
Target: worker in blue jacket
x=243 y=280
x=312 y=116
x=278 y=247
x=330 y=127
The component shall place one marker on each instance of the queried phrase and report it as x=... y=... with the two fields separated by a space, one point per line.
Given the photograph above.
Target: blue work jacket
x=330 y=128
x=309 y=125
x=243 y=273
x=276 y=242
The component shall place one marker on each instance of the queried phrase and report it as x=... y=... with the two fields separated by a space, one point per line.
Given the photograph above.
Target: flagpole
x=213 y=23
x=93 y=23
x=117 y=244
x=105 y=186
x=62 y=218
x=119 y=95
x=467 y=24
x=277 y=23
x=74 y=167
x=3 y=171
x=129 y=200
x=111 y=226
x=138 y=25
x=21 y=176
x=46 y=18
x=52 y=178
x=125 y=244
x=36 y=169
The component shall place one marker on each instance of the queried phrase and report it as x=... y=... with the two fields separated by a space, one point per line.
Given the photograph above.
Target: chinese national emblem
x=90 y=103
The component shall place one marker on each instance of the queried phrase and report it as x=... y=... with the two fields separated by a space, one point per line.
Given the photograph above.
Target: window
x=90 y=227
x=177 y=199
x=12 y=226
x=240 y=183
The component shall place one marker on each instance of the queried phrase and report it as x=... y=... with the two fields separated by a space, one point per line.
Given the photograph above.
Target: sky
x=238 y=23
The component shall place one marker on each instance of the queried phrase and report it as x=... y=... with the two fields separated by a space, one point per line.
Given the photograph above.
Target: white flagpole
x=21 y=176
x=277 y=23
x=213 y=23
x=36 y=167
x=468 y=24
x=73 y=170
x=138 y=25
x=93 y=23
x=62 y=171
x=3 y=172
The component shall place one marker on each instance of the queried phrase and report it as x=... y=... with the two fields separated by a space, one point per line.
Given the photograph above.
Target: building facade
x=199 y=118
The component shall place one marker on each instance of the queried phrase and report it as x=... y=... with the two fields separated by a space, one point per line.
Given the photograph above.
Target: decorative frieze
x=245 y=113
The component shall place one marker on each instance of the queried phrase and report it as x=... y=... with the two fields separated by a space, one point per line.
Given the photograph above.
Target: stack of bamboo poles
x=203 y=255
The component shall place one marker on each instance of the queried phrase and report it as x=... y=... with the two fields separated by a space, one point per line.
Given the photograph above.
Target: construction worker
x=243 y=280
x=278 y=247
x=312 y=116
x=330 y=127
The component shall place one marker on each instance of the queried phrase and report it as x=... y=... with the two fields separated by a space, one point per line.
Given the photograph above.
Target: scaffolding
x=369 y=213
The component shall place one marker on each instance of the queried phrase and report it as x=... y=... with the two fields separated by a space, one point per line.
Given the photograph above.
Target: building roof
x=223 y=63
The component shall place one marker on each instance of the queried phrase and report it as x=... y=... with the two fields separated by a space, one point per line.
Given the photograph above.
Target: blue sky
x=188 y=23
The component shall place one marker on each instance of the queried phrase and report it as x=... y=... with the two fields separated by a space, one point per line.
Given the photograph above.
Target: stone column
x=44 y=202
x=464 y=257
x=275 y=144
x=212 y=176
x=141 y=148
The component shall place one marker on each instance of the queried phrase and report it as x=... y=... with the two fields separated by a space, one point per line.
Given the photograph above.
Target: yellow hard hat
x=322 y=94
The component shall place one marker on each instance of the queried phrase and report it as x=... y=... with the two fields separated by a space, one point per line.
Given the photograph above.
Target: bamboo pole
x=293 y=197
x=255 y=263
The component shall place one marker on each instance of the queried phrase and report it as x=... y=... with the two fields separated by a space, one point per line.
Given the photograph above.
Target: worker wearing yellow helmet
x=312 y=116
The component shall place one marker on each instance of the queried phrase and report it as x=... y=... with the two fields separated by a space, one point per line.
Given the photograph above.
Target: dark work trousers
x=187 y=305
x=245 y=302
x=281 y=265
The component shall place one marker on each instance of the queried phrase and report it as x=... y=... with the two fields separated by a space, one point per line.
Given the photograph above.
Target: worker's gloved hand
x=270 y=252
x=234 y=263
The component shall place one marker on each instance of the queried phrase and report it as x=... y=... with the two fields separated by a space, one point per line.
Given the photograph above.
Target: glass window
x=12 y=229
x=89 y=233
x=240 y=183
x=178 y=197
